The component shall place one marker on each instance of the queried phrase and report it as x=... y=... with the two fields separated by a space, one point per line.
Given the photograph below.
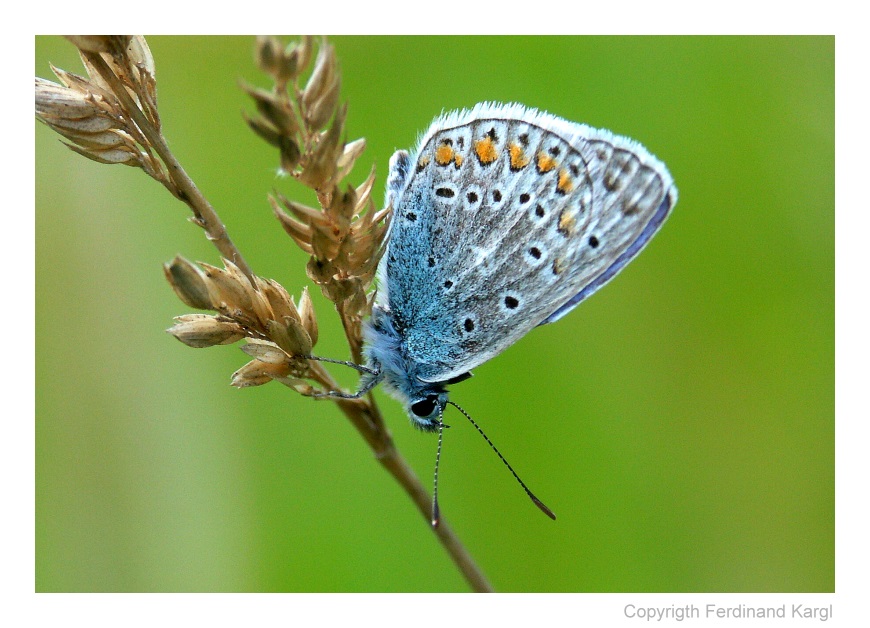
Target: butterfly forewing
x=507 y=219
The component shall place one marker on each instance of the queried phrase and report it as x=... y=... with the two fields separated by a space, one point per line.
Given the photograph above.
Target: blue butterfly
x=504 y=218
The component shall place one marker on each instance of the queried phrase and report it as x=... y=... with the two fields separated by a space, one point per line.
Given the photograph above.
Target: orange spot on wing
x=486 y=151
x=443 y=155
x=567 y=222
x=565 y=184
x=458 y=159
x=545 y=162
x=518 y=157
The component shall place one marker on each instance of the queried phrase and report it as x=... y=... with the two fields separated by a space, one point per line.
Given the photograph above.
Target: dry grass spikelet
x=279 y=334
x=88 y=112
x=345 y=236
x=204 y=330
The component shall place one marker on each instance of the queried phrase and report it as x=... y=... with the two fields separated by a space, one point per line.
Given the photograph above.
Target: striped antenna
x=531 y=495
x=436 y=512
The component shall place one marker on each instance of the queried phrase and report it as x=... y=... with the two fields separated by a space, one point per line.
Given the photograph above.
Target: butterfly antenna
x=531 y=495
x=436 y=512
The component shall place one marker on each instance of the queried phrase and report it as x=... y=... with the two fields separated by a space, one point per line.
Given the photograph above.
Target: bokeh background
x=680 y=423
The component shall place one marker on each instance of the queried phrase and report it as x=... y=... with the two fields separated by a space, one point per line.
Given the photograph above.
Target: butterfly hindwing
x=506 y=219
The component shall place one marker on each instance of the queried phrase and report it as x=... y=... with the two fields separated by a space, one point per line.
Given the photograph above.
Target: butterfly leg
x=371 y=378
x=359 y=367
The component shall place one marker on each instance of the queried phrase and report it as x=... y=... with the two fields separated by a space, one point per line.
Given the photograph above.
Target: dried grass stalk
x=111 y=116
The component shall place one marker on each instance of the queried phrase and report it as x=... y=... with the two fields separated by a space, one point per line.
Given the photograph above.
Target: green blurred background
x=680 y=423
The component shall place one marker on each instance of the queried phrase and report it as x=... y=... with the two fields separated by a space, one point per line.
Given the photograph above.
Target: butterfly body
x=505 y=218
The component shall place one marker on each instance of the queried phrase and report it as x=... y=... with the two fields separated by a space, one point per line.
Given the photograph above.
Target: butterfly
x=504 y=218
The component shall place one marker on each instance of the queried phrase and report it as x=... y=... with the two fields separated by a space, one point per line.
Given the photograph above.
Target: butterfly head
x=426 y=412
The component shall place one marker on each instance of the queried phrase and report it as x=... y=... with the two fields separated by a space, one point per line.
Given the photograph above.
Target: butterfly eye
x=425 y=407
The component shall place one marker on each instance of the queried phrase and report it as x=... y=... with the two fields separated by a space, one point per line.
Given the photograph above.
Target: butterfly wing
x=505 y=219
